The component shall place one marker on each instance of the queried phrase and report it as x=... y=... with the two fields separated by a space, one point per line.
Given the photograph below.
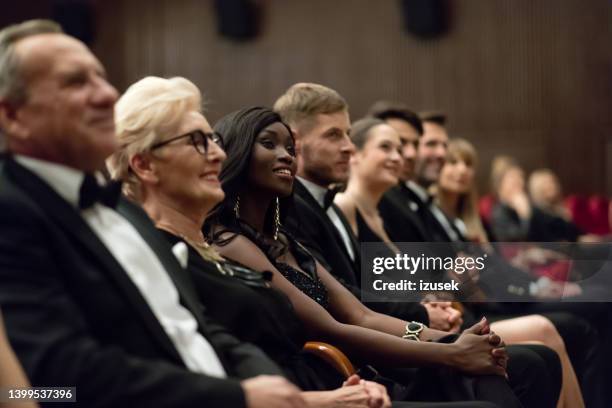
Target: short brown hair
x=436 y=117
x=302 y=101
x=395 y=110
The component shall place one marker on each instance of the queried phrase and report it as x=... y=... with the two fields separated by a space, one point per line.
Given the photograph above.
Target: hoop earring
x=237 y=207
x=276 y=220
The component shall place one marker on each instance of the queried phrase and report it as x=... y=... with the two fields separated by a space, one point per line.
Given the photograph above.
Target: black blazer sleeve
x=57 y=344
x=244 y=360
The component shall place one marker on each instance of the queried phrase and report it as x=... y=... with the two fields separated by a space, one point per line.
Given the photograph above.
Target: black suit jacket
x=313 y=228
x=407 y=217
x=75 y=318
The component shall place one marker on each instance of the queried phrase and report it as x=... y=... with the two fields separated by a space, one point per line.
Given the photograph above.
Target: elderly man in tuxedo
x=90 y=299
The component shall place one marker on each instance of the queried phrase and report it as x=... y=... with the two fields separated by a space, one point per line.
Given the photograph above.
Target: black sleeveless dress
x=243 y=301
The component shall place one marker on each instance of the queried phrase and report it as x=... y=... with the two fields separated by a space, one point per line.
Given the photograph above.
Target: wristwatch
x=413 y=331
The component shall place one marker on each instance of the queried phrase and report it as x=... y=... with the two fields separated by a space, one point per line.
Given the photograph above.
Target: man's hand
x=266 y=391
x=376 y=394
x=442 y=316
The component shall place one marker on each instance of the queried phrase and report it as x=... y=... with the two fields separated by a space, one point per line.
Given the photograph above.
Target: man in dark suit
x=319 y=118
x=90 y=299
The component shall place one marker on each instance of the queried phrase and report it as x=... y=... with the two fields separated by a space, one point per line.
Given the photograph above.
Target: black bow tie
x=91 y=192
x=328 y=198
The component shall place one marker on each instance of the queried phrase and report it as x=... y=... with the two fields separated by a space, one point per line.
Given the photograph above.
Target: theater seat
x=331 y=355
x=485 y=208
x=598 y=211
x=579 y=209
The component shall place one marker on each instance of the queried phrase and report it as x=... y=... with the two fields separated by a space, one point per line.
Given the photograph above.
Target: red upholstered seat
x=599 y=215
x=485 y=208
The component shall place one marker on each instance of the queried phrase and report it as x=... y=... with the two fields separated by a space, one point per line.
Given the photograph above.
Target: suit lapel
x=354 y=242
x=67 y=218
x=420 y=216
x=304 y=194
x=433 y=225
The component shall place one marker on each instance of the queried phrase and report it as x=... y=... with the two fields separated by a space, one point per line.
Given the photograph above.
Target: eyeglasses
x=199 y=140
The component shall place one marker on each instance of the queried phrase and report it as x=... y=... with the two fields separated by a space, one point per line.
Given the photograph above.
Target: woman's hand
x=478 y=351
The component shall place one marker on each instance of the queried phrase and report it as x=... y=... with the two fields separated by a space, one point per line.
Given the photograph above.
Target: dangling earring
x=276 y=220
x=237 y=207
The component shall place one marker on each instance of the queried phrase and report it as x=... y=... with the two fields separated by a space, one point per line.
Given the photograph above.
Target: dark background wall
x=529 y=78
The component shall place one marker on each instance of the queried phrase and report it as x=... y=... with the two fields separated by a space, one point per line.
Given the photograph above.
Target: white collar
x=66 y=181
x=418 y=190
x=315 y=190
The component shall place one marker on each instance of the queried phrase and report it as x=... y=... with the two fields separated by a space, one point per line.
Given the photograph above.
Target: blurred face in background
x=457 y=175
x=431 y=153
x=68 y=115
x=380 y=161
x=409 y=137
x=512 y=183
x=325 y=149
x=544 y=189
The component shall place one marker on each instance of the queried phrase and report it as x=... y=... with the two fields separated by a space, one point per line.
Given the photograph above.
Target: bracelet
x=413 y=331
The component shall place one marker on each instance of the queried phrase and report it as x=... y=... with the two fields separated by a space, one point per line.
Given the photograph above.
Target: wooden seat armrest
x=332 y=355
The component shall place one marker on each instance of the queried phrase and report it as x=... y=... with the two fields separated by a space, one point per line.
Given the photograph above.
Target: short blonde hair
x=149 y=110
x=302 y=101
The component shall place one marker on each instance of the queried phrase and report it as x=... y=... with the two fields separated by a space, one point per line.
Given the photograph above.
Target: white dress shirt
x=140 y=263
x=318 y=193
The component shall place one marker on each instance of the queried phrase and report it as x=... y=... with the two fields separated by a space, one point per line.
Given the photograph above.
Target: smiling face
x=409 y=137
x=68 y=115
x=326 y=149
x=431 y=153
x=273 y=165
x=184 y=176
x=380 y=160
x=457 y=175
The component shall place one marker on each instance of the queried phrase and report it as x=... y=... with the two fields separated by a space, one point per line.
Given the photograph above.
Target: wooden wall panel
x=529 y=78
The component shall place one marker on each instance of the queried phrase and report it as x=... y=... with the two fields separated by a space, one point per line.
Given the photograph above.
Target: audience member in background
x=456 y=195
x=11 y=373
x=150 y=115
x=246 y=227
x=545 y=193
x=401 y=224
x=515 y=219
x=375 y=168
x=319 y=119
x=87 y=300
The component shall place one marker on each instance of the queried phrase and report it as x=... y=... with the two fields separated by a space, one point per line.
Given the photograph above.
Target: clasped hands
x=481 y=351
x=442 y=316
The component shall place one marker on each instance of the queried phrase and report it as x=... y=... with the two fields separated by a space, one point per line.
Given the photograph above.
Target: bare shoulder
x=346 y=204
x=241 y=249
